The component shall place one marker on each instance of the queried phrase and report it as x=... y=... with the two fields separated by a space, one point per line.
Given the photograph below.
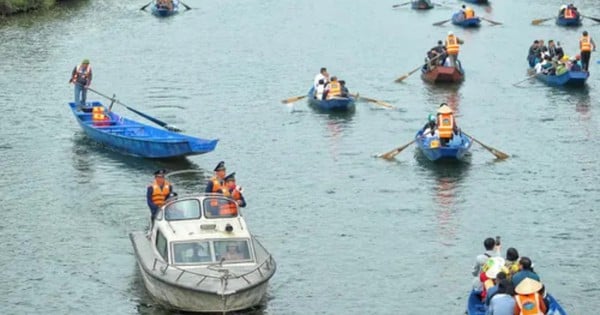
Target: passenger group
x=444 y=54
x=327 y=88
x=552 y=60
x=443 y=126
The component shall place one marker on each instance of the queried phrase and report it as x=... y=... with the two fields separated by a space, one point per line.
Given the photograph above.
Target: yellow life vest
x=452 y=47
x=335 y=89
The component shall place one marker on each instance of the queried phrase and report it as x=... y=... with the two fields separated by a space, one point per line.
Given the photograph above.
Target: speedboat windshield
x=183 y=210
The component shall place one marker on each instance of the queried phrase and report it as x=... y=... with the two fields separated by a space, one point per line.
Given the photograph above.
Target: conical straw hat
x=528 y=286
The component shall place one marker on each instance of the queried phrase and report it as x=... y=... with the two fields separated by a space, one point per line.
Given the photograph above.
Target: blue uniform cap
x=220 y=166
x=161 y=172
x=230 y=177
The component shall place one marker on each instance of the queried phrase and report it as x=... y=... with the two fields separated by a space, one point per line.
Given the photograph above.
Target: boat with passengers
x=199 y=256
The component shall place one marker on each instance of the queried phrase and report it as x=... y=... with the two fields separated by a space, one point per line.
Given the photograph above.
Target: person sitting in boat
x=561 y=10
x=429 y=129
x=435 y=56
x=165 y=4
x=333 y=89
x=533 y=55
x=491 y=250
x=232 y=252
x=158 y=192
x=196 y=254
x=345 y=92
x=322 y=75
x=502 y=301
x=575 y=65
x=446 y=124
x=561 y=67
x=233 y=190
x=468 y=12
x=559 y=51
x=216 y=184
x=528 y=297
x=543 y=47
x=490 y=270
x=320 y=89
x=552 y=49
x=512 y=261
x=525 y=271
x=570 y=12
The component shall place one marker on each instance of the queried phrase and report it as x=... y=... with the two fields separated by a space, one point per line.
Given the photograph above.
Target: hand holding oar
x=293 y=99
x=540 y=21
x=399 y=5
x=441 y=22
x=390 y=155
x=187 y=7
x=488 y=20
x=499 y=154
x=145 y=6
x=152 y=119
x=416 y=69
x=591 y=18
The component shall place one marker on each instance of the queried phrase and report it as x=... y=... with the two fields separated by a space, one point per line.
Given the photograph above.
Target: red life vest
x=82 y=75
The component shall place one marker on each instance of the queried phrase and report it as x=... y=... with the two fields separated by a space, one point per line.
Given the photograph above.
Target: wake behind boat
x=134 y=138
x=200 y=256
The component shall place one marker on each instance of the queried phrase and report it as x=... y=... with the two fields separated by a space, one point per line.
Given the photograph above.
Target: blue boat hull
x=458 y=19
x=333 y=104
x=476 y=307
x=421 y=5
x=568 y=22
x=569 y=78
x=456 y=149
x=164 y=12
x=477 y=1
x=133 y=138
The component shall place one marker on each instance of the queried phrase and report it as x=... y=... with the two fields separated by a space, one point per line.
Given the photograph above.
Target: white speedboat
x=200 y=257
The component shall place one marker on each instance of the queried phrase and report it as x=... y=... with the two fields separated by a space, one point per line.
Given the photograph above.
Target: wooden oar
x=390 y=155
x=493 y=22
x=416 y=69
x=540 y=21
x=293 y=99
x=499 y=154
x=441 y=22
x=372 y=100
x=399 y=5
x=187 y=7
x=145 y=6
x=591 y=18
x=152 y=119
x=530 y=76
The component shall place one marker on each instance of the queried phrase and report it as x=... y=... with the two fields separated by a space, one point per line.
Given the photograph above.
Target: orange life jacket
x=445 y=125
x=160 y=195
x=217 y=186
x=529 y=304
x=585 y=43
x=98 y=116
x=469 y=13
x=335 y=89
x=84 y=75
x=569 y=14
x=452 y=47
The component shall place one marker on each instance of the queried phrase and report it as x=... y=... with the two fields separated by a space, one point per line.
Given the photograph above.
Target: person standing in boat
x=322 y=75
x=233 y=190
x=158 y=192
x=320 y=89
x=81 y=77
x=453 y=47
x=586 y=45
x=217 y=184
x=468 y=12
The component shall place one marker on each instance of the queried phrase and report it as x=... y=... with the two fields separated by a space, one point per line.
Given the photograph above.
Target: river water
x=352 y=234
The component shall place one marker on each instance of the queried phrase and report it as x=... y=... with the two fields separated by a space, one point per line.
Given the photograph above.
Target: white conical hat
x=444 y=109
x=528 y=286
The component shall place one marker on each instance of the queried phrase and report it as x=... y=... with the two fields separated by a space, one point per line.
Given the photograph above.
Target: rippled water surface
x=352 y=234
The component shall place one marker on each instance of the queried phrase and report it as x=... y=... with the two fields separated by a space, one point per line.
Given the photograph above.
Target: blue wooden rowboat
x=562 y=21
x=477 y=1
x=133 y=138
x=569 y=78
x=421 y=5
x=476 y=307
x=432 y=148
x=163 y=12
x=459 y=19
x=332 y=104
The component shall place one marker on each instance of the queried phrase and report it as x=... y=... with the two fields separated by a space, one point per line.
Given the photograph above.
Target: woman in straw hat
x=528 y=299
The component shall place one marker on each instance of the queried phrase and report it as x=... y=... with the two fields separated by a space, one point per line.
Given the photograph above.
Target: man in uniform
x=216 y=183
x=158 y=192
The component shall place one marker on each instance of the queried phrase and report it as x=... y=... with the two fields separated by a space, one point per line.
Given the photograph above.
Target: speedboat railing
x=225 y=273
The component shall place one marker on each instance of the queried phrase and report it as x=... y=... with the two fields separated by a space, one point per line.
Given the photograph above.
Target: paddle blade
x=293 y=99
x=391 y=154
x=493 y=22
x=539 y=21
x=400 y=79
x=441 y=22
